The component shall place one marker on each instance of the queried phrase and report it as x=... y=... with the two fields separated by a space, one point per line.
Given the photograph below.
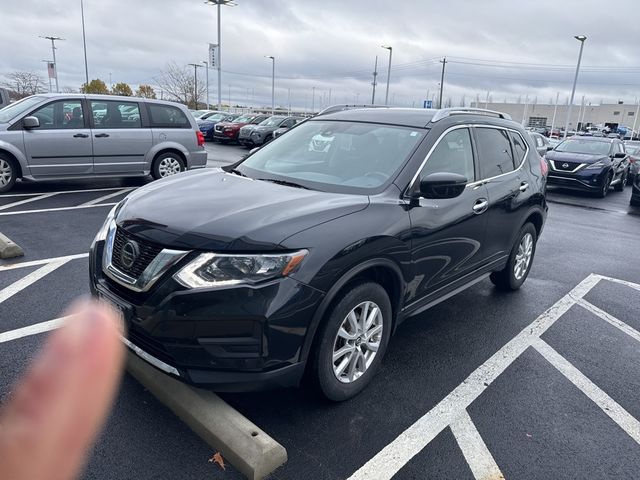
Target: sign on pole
x=428 y=104
x=213 y=55
x=51 y=69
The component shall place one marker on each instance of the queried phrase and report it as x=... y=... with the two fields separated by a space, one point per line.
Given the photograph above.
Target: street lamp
x=219 y=3
x=581 y=39
x=273 y=82
x=206 y=64
x=195 y=66
x=53 y=50
x=386 y=97
x=84 y=43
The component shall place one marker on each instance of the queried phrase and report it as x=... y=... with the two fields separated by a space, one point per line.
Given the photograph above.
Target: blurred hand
x=54 y=414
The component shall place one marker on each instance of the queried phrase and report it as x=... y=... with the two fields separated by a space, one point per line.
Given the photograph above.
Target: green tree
x=122 y=89
x=95 y=86
x=145 y=91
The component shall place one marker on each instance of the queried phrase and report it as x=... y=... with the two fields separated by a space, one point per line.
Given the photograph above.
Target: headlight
x=596 y=166
x=217 y=270
x=102 y=233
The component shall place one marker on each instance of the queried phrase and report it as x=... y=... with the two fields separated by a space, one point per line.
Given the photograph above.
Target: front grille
x=570 y=166
x=151 y=346
x=148 y=252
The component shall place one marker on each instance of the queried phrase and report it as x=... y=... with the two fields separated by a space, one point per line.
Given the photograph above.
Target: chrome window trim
x=476 y=182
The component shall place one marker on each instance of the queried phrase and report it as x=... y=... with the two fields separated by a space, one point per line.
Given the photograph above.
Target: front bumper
x=233 y=339
x=586 y=180
x=227 y=136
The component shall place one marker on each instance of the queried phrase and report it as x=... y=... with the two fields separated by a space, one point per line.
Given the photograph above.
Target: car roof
x=96 y=96
x=592 y=139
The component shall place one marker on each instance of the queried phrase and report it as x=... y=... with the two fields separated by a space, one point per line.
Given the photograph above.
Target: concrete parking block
x=9 y=249
x=243 y=444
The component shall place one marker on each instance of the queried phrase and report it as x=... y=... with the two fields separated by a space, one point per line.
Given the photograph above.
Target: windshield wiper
x=235 y=171
x=284 y=182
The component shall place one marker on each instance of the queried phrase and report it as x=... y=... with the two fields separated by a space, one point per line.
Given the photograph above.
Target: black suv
x=304 y=258
x=591 y=164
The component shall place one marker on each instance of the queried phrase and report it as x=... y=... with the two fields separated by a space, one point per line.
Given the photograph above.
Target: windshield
x=344 y=157
x=16 y=109
x=272 y=122
x=215 y=118
x=244 y=119
x=588 y=147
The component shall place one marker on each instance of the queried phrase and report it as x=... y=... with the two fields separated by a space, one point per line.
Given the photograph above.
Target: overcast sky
x=508 y=48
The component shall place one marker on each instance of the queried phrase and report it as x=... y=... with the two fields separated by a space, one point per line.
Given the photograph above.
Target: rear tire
x=356 y=331
x=8 y=173
x=167 y=164
x=513 y=275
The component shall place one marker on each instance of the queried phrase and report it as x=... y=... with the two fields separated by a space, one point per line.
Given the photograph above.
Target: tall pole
x=486 y=103
x=555 y=110
x=386 y=96
x=374 y=83
x=48 y=62
x=53 y=50
x=195 y=83
x=444 y=63
x=229 y=98
x=313 y=99
x=84 y=44
x=206 y=65
x=289 y=101
x=219 y=61
x=581 y=39
x=579 y=122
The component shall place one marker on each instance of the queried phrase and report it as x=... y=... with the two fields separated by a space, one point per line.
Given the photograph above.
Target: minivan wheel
x=520 y=260
x=167 y=164
x=8 y=173
x=352 y=341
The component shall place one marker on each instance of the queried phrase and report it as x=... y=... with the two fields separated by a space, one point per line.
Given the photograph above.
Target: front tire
x=604 y=190
x=8 y=173
x=513 y=275
x=166 y=165
x=352 y=341
x=623 y=182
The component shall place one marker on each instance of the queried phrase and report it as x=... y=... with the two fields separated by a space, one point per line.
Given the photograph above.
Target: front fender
x=18 y=154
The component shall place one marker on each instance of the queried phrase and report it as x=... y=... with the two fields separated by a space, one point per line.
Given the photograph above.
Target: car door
x=120 y=142
x=61 y=145
x=507 y=186
x=448 y=234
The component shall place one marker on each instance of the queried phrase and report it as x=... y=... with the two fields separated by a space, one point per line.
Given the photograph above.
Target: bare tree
x=24 y=84
x=68 y=90
x=177 y=82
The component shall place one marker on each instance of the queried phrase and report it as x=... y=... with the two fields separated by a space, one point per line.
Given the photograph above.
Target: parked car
x=225 y=132
x=206 y=114
x=633 y=149
x=263 y=133
x=310 y=259
x=55 y=136
x=4 y=98
x=541 y=142
x=635 y=192
x=592 y=164
x=207 y=125
x=554 y=142
x=279 y=131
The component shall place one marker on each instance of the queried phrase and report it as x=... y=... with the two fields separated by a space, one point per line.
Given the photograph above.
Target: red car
x=225 y=132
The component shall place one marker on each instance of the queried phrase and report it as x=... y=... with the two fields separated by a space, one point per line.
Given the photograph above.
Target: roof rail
x=339 y=108
x=446 y=112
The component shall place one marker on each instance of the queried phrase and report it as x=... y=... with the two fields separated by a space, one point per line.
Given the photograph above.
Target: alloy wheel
x=169 y=166
x=523 y=257
x=6 y=173
x=357 y=342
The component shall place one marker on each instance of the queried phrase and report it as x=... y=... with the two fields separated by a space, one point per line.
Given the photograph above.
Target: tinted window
x=519 y=147
x=111 y=114
x=494 y=150
x=453 y=154
x=589 y=147
x=288 y=123
x=167 y=116
x=60 y=114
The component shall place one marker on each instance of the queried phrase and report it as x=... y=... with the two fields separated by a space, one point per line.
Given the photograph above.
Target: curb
x=8 y=249
x=244 y=445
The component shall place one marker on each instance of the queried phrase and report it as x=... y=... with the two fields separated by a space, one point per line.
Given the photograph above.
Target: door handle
x=524 y=186
x=81 y=135
x=480 y=206
x=102 y=135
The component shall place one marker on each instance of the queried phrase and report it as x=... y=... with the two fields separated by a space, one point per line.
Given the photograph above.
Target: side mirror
x=30 y=122
x=253 y=150
x=549 y=148
x=620 y=155
x=442 y=185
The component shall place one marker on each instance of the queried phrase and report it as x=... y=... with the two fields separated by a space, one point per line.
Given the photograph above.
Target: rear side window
x=452 y=155
x=167 y=116
x=114 y=114
x=494 y=151
x=519 y=147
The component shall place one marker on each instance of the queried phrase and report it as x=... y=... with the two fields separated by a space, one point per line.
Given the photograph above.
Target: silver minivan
x=60 y=136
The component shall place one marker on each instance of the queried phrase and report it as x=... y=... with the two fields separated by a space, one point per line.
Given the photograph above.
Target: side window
x=114 y=114
x=167 y=116
x=453 y=154
x=519 y=147
x=62 y=114
x=620 y=147
x=288 y=123
x=494 y=150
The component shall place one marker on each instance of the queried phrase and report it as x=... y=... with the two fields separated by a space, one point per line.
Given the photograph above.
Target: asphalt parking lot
x=541 y=383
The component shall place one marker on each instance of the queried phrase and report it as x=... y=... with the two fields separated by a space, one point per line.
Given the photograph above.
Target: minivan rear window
x=167 y=116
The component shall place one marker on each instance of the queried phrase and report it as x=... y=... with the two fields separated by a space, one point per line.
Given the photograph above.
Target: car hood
x=574 y=157
x=4 y=126
x=264 y=129
x=218 y=211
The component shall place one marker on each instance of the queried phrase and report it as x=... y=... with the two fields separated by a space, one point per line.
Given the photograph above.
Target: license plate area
x=125 y=310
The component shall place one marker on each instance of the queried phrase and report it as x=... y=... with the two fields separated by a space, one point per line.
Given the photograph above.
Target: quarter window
x=110 y=114
x=453 y=154
x=494 y=151
x=519 y=146
x=63 y=114
x=167 y=116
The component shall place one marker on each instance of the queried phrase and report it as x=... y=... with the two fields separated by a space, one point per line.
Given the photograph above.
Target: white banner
x=51 y=69
x=213 y=55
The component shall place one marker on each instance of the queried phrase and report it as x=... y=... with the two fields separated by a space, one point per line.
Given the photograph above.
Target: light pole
x=84 y=43
x=273 y=82
x=374 y=83
x=386 y=97
x=53 y=50
x=581 y=39
x=219 y=3
x=555 y=110
x=195 y=66
x=206 y=65
x=313 y=99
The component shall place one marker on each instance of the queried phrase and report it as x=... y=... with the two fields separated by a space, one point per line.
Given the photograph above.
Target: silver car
x=59 y=136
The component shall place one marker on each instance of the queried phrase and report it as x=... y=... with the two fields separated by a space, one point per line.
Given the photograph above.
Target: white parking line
x=28 y=200
x=475 y=451
x=61 y=192
x=27 y=280
x=386 y=463
x=35 y=263
x=105 y=197
x=59 y=209
x=34 y=329
x=607 y=404
x=619 y=324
